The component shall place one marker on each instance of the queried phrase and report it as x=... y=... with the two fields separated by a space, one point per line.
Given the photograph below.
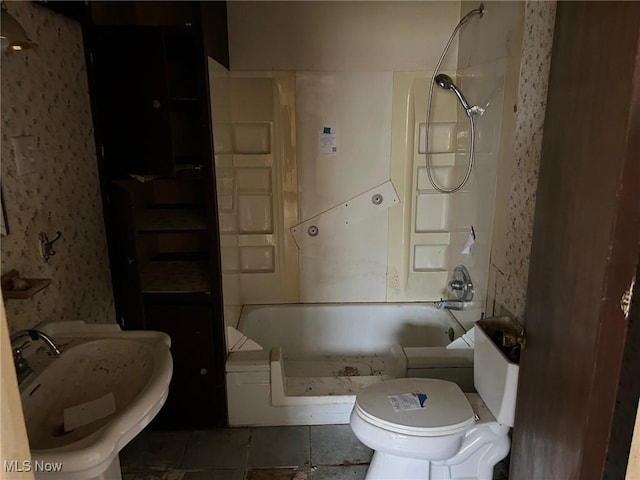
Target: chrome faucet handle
x=461 y=284
x=21 y=364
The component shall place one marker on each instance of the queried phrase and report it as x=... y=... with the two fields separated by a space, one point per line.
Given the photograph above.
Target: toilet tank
x=495 y=375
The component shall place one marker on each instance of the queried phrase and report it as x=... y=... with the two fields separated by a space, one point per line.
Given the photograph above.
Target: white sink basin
x=96 y=361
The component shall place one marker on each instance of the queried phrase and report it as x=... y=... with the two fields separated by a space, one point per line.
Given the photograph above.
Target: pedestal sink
x=111 y=384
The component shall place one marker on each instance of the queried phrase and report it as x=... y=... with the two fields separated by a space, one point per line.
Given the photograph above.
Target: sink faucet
x=35 y=335
x=450 y=304
x=23 y=370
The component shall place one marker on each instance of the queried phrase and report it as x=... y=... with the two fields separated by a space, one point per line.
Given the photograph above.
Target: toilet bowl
x=421 y=428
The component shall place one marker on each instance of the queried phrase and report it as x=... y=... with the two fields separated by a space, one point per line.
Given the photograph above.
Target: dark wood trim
x=214 y=19
x=623 y=257
x=585 y=246
x=628 y=393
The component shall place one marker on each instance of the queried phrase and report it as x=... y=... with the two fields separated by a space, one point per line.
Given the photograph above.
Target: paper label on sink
x=402 y=402
x=88 y=412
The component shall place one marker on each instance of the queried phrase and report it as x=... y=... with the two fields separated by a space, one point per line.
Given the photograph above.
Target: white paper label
x=89 y=412
x=402 y=402
x=466 y=250
x=327 y=144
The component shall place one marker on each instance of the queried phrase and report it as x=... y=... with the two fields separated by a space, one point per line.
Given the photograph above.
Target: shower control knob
x=203 y=371
x=377 y=199
x=461 y=284
x=313 y=231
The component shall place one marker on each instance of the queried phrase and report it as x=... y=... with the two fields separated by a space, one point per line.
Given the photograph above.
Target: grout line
x=184 y=450
x=310 y=450
x=246 y=459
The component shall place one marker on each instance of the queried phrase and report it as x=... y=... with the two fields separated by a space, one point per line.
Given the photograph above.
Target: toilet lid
x=446 y=409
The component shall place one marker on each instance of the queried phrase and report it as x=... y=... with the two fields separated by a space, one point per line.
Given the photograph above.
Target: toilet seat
x=446 y=410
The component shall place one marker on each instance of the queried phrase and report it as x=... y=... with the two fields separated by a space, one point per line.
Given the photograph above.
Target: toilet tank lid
x=445 y=409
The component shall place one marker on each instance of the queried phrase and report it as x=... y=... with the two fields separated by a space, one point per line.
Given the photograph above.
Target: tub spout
x=450 y=304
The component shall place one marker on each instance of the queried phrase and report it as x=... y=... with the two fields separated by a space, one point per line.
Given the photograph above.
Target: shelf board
x=184 y=100
x=170 y=220
x=176 y=276
x=34 y=285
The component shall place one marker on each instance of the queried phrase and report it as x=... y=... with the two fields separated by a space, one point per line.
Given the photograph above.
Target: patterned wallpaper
x=45 y=95
x=511 y=279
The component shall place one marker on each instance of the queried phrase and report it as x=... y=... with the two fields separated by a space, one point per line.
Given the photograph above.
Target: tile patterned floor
x=323 y=452
x=267 y=453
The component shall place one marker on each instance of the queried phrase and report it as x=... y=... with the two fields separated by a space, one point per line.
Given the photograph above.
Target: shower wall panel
x=220 y=94
x=430 y=235
x=257 y=186
x=355 y=107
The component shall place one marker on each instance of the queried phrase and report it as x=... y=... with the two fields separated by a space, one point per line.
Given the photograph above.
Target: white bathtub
x=315 y=357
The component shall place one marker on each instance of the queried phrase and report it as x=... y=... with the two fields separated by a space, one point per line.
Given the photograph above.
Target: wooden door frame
x=585 y=246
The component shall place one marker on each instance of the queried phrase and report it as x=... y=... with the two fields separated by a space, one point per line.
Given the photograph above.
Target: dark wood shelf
x=184 y=102
x=175 y=276
x=170 y=220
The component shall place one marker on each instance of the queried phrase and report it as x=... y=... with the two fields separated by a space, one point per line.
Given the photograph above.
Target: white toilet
x=453 y=435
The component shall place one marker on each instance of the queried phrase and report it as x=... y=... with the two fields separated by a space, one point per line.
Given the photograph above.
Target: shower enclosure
x=302 y=135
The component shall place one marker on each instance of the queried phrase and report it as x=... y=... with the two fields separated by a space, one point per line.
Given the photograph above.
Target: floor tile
x=144 y=476
x=501 y=470
x=154 y=451
x=279 y=447
x=219 y=448
x=272 y=474
x=349 y=472
x=236 y=474
x=337 y=445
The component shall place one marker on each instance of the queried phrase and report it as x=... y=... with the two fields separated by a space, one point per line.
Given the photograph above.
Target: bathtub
x=315 y=357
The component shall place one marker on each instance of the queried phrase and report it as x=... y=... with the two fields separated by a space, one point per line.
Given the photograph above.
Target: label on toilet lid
x=402 y=402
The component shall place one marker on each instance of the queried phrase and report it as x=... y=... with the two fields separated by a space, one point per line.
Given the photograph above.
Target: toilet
x=423 y=428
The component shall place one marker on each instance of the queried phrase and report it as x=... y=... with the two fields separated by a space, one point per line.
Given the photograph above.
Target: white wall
x=340 y=36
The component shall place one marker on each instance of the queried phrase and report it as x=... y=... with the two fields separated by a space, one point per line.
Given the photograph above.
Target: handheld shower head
x=444 y=81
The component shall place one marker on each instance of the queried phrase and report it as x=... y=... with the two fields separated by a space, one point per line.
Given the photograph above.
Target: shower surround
x=372 y=97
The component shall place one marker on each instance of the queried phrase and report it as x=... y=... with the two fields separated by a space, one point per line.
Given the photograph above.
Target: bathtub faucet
x=450 y=304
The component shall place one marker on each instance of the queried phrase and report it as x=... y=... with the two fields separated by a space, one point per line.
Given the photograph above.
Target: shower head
x=444 y=81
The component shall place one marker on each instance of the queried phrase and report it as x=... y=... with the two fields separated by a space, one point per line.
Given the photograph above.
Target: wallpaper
x=45 y=96
x=511 y=280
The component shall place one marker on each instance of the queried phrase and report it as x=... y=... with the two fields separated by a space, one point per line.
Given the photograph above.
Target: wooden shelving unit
x=150 y=93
